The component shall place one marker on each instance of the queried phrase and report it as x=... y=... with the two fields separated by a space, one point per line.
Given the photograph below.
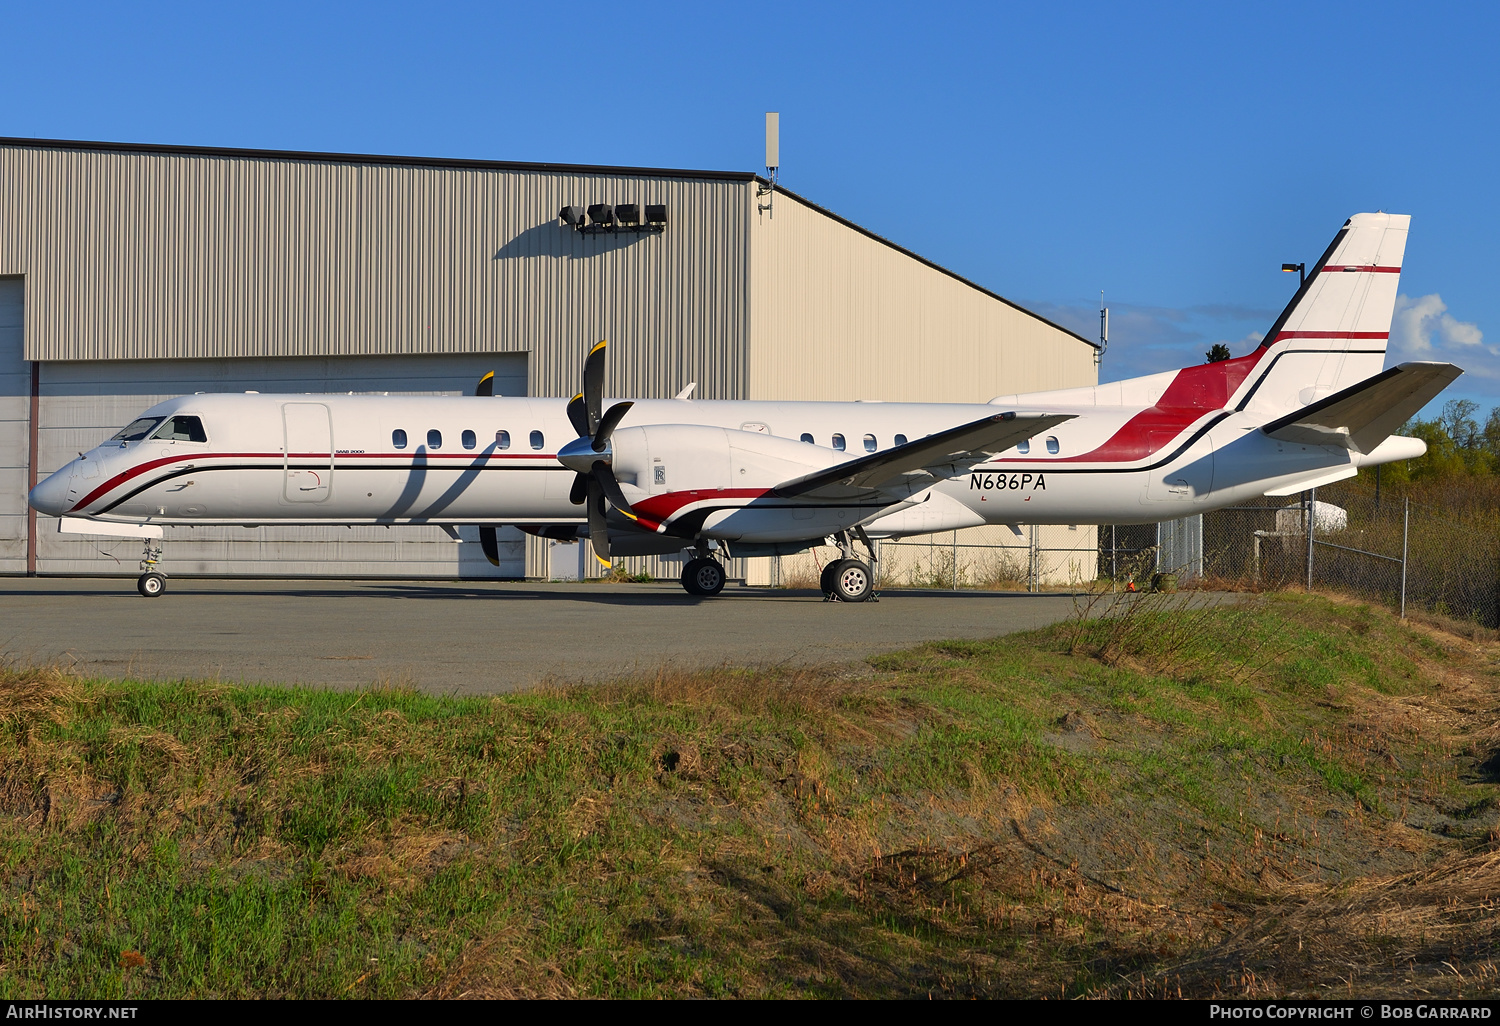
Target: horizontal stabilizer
x=1367 y=413
x=942 y=455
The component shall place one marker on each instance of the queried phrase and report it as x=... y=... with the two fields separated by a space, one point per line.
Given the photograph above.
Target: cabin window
x=434 y=439
x=136 y=429
x=838 y=442
x=469 y=439
x=807 y=437
x=398 y=438
x=502 y=439
x=869 y=443
x=1052 y=445
x=1023 y=446
x=182 y=429
x=537 y=440
x=900 y=439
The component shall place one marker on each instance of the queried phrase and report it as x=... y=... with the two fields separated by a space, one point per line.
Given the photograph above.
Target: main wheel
x=151 y=584
x=703 y=576
x=825 y=581
x=852 y=581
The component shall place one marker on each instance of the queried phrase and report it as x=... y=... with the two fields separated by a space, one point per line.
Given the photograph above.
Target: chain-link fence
x=1039 y=556
x=1384 y=548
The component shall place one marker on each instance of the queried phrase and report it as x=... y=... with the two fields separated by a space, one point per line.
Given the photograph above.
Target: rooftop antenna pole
x=773 y=160
x=1103 y=331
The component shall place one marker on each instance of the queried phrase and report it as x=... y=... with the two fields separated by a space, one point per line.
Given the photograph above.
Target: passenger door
x=308 y=452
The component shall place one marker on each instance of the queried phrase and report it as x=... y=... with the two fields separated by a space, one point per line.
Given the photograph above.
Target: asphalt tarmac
x=469 y=637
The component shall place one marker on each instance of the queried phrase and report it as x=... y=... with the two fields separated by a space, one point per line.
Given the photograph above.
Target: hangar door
x=15 y=402
x=84 y=403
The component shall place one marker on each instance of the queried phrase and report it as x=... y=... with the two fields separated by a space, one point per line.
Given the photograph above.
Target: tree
x=1219 y=352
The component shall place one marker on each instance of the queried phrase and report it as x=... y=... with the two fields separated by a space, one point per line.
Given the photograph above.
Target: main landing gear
x=848 y=579
x=152 y=581
x=703 y=576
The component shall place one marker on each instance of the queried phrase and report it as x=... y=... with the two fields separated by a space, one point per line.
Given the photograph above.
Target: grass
x=1287 y=796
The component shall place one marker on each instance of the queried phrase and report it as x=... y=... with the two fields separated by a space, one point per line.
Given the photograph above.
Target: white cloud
x=1423 y=329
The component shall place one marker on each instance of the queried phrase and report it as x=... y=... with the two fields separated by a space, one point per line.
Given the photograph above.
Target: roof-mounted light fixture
x=622 y=217
x=1301 y=270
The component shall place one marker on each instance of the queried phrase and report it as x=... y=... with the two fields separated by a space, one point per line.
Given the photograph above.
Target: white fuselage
x=334 y=459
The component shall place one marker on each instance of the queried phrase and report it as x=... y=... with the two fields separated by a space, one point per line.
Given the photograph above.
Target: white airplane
x=748 y=478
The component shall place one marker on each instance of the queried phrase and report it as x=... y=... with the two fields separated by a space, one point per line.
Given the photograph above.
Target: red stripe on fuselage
x=1371 y=268
x=1195 y=391
x=141 y=468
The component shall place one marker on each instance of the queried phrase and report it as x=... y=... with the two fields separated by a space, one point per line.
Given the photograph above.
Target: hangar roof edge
x=313 y=156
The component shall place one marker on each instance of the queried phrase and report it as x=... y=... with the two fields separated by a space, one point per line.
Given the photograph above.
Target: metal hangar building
x=133 y=273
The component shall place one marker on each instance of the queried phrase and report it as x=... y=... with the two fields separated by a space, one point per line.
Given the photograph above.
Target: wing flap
x=1365 y=414
x=916 y=465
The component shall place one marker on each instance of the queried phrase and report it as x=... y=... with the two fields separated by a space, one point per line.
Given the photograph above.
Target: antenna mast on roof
x=773 y=160
x=1103 y=331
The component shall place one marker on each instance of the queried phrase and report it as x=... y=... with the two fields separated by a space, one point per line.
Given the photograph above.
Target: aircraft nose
x=51 y=496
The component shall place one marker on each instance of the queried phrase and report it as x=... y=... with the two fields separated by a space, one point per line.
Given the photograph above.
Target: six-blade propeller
x=590 y=454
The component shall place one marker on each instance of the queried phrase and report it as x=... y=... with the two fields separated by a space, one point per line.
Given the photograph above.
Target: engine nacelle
x=661 y=458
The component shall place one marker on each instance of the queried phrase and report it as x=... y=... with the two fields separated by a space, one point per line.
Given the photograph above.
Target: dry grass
x=1290 y=796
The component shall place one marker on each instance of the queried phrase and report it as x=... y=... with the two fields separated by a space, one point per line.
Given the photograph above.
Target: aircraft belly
x=776 y=524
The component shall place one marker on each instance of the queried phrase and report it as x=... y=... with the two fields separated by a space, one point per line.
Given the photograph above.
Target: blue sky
x=1172 y=155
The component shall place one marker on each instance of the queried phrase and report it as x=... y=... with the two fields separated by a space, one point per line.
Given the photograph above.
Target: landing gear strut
x=848 y=579
x=703 y=576
x=152 y=581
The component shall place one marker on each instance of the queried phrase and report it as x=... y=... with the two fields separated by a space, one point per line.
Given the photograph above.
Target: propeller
x=488 y=541
x=590 y=455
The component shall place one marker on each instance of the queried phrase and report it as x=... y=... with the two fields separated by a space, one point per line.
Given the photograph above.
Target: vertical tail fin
x=1334 y=331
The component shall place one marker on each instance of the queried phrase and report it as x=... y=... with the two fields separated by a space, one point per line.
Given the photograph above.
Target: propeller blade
x=607 y=425
x=598 y=525
x=593 y=386
x=579 y=417
x=580 y=491
x=486 y=386
x=490 y=544
x=611 y=489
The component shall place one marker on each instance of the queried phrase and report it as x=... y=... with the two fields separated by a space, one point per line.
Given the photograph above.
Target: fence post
x=1114 y=559
x=955 y=559
x=1033 y=577
x=1405 y=532
x=1311 y=498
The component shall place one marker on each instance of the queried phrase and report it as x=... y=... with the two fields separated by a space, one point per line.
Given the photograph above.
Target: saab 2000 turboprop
x=1310 y=406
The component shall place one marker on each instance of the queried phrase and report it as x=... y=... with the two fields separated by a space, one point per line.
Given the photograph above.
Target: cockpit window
x=136 y=429
x=182 y=429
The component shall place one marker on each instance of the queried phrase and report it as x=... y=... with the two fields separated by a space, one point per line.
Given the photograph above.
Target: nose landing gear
x=152 y=581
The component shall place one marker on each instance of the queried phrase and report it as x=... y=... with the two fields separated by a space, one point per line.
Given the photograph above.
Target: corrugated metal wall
x=838 y=315
x=153 y=255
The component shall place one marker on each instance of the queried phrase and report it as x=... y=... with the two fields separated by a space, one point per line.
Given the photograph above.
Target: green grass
x=969 y=818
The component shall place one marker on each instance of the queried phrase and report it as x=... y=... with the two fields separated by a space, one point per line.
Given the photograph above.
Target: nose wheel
x=703 y=577
x=152 y=581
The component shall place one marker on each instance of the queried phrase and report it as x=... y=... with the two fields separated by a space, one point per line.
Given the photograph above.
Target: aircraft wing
x=1365 y=414
x=909 y=468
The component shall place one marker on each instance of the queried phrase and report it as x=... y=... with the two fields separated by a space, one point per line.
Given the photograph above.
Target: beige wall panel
x=838 y=315
x=135 y=255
